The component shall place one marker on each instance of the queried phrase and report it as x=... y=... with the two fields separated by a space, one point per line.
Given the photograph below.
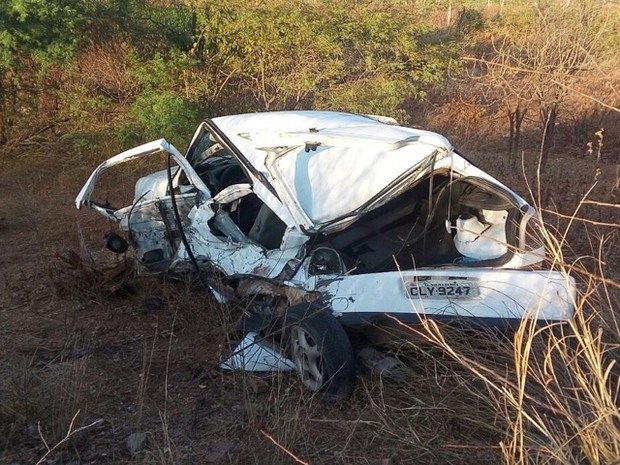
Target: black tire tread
x=334 y=344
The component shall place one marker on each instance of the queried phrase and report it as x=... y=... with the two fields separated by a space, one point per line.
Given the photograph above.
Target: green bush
x=469 y=21
x=156 y=115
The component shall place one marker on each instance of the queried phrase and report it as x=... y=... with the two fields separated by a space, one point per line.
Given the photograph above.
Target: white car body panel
x=276 y=205
x=504 y=294
x=228 y=256
x=236 y=127
x=321 y=172
x=322 y=179
x=153 y=186
x=253 y=355
x=318 y=180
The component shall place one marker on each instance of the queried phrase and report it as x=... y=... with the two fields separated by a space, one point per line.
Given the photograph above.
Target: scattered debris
x=254 y=354
x=383 y=364
x=83 y=274
x=135 y=442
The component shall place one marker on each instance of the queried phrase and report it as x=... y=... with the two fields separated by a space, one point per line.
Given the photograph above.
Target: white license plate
x=431 y=289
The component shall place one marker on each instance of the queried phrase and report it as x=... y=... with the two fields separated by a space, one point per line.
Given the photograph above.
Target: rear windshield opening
x=437 y=222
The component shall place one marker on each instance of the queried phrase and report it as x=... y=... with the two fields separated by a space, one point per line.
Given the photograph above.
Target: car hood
x=326 y=165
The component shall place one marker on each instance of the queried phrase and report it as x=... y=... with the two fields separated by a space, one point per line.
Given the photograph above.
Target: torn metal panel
x=254 y=354
x=230 y=256
x=149 y=149
x=294 y=295
x=232 y=193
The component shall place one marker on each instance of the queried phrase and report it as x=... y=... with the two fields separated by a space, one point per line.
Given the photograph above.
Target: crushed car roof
x=331 y=163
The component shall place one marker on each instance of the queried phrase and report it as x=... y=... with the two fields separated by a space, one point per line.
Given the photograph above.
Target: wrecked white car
x=328 y=223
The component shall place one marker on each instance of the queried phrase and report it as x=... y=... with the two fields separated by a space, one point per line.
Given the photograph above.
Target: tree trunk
x=516 y=119
x=549 y=116
x=4 y=114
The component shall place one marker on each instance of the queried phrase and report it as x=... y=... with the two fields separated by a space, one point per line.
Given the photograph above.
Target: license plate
x=434 y=289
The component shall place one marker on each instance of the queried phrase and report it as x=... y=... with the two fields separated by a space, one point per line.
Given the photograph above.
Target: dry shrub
x=465 y=119
x=81 y=275
x=557 y=395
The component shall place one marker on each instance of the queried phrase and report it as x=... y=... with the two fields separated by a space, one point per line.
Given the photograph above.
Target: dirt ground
x=91 y=376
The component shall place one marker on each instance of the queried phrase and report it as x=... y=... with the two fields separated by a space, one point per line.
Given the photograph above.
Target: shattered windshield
x=201 y=146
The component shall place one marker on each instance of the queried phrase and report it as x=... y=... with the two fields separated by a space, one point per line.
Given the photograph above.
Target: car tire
x=320 y=348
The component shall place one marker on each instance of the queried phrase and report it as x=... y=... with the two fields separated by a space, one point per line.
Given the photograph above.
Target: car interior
x=419 y=228
x=253 y=218
x=438 y=221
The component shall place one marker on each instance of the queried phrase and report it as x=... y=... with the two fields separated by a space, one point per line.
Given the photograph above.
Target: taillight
x=533 y=237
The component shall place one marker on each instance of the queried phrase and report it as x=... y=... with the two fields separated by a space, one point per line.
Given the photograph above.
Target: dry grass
x=556 y=398
x=540 y=396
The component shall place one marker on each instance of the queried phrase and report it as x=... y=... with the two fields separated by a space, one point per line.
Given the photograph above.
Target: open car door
x=149 y=149
x=151 y=220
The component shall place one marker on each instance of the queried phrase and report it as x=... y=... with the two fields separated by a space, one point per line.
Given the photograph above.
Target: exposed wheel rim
x=307 y=358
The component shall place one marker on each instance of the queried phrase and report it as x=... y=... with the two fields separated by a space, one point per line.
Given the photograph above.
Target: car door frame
x=145 y=150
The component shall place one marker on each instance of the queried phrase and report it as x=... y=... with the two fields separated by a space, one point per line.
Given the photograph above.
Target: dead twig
x=584 y=220
x=280 y=446
x=70 y=432
x=545 y=74
x=602 y=204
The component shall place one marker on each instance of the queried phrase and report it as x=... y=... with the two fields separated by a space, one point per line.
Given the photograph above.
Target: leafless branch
x=543 y=74
x=70 y=432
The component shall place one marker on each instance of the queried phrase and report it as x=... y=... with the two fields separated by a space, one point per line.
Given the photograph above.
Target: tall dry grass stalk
x=558 y=395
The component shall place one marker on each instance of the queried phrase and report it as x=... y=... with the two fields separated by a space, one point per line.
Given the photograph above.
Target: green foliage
x=229 y=56
x=149 y=28
x=160 y=114
x=301 y=55
x=47 y=31
x=161 y=109
x=82 y=143
x=469 y=21
x=388 y=47
x=34 y=35
x=153 y=68
x=373 y=96
x=270 y=55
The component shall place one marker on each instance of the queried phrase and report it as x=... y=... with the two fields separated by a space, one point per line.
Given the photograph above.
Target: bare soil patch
x=146 y=376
